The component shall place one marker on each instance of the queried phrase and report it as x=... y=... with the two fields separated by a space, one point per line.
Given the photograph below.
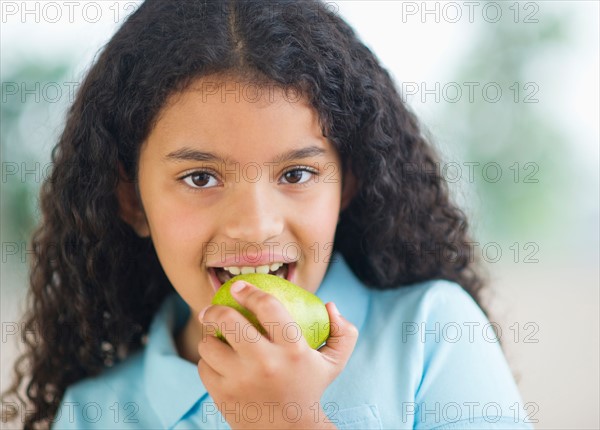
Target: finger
x=342 y=338
x=210 y=378
x=239 y=333
x=269 y=311
x=216 y=353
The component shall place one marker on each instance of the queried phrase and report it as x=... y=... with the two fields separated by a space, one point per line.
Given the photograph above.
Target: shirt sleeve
x=466 y=381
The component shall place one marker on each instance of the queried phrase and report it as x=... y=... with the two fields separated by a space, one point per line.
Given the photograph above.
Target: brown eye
x=294 y=176
x=299 y=176
x=199 y=180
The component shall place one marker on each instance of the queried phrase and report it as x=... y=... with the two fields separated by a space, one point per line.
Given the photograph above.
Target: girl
x=211 y=138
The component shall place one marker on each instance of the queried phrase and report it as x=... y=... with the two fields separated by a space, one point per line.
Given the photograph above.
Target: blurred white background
x=542 y=213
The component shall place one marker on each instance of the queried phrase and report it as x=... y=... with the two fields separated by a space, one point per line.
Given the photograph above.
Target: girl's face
x=235 y=176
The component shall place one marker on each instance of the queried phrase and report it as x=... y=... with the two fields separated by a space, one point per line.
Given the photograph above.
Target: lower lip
x=217 y=284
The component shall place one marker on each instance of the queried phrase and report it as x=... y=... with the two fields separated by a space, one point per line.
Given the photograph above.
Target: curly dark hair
x=95 y=285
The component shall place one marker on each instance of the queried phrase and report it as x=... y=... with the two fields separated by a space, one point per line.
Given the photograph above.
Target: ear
x=349 y=188
x=130 y=206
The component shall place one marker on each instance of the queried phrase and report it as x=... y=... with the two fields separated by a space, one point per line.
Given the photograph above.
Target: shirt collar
x=342 y=287
x=172 y=383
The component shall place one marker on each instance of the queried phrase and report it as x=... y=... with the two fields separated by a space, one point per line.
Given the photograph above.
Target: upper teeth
x=236 y=270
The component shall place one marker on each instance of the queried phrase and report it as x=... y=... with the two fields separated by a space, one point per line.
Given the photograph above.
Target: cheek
x=177 y=231
x=327 y=206
x=178 y=238
x=319 y=218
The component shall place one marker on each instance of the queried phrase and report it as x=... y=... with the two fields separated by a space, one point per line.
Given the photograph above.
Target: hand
x=269 y=381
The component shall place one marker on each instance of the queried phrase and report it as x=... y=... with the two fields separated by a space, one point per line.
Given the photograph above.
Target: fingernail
x=238 y=286
x=202 y=312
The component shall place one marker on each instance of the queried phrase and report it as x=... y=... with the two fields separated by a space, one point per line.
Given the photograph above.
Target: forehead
x=216 y=112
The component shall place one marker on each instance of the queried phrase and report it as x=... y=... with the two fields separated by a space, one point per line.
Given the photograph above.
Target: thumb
x=342 y=338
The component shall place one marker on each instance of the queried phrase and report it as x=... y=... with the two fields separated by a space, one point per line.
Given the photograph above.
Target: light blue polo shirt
x=426 y=358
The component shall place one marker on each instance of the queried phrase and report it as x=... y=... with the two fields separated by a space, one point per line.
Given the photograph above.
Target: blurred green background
x=541 y=133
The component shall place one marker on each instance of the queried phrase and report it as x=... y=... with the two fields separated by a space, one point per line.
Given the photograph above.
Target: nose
x=253 y=215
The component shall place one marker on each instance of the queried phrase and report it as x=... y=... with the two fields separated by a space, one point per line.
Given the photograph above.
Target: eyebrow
x=189 y=154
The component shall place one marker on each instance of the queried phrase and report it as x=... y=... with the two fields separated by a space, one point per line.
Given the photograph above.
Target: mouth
x=220 y=275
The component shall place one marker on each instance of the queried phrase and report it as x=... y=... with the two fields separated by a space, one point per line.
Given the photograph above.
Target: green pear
x=306 y=309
